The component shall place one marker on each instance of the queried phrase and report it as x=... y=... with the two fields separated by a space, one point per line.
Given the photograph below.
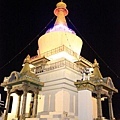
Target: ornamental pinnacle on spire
x=61 y=12
x=26 y=67
x=97 y=74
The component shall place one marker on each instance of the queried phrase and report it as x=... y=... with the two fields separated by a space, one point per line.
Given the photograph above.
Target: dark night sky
x=98 y=22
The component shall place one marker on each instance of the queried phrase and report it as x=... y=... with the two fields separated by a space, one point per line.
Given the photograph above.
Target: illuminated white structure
x=58 y=65
x=60 y=36
x=62 y=47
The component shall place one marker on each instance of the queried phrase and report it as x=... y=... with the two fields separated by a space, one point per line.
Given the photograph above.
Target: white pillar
x=85 y=110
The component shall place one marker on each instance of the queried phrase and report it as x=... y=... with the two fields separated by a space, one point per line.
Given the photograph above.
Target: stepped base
x=56 y=116
x=32 y=119
x=103 y=118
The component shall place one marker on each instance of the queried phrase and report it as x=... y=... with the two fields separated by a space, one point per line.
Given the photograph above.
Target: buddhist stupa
x=48 y=90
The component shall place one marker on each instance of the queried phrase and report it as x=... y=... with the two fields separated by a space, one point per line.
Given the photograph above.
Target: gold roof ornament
x=95 y=64
x=97 y=74
x=26 y=66
x=27 y=59
x=61 y=11
x=61 y=5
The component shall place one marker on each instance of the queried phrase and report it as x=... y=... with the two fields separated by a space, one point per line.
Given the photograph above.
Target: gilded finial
x=95 y=61
x=61 y=11
x=95 y=64
x=97 y=74
x=27 y=59
x=26 y=66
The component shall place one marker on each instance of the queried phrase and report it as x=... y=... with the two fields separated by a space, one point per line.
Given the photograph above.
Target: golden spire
x=61 y=12
x=26 y=66
x=97 y=74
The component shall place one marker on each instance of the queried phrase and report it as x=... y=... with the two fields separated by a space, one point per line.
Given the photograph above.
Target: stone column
x=31 y=105
x=23 y=109
x=110 y=106
x=18 y=108
x=7 y=103
x=99 y=105
x=34 y=114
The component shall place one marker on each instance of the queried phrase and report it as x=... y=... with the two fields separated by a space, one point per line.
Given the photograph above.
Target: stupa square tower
x=58 y=49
